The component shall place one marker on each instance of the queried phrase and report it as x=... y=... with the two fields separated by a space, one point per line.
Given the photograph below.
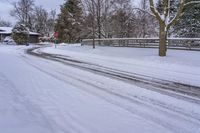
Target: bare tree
x=90 y=17
x=113 y=18
x=144 y=18
x=122 y=18
x=117 y=18
x=98 y=10
x=22 y=10
x=40 y=18
x=165 y=22
x=106 y=19
x=94 y=8
x=146 y=24
x=51 y=22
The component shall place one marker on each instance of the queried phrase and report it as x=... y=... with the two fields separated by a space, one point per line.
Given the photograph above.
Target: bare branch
x=154 y=11
x=135 y=8
x=192 y=2
x=178 y=15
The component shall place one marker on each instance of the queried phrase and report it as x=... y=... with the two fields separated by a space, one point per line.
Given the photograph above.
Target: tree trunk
x=93 y=26
x=99 y=19
x=163 y=39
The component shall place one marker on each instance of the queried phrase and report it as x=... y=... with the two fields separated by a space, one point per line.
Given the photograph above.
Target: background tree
x=40 y=18
x=189 y=24
x=69 y=22
x=20 y=34
x=51 y=22
x=172 y=12
x=163 y=17
x=146 y=24
x=43 y=21
x=23 y=11
x=36 y=18
x=98 y=5
x=144 y=18
x=121 y=18
x=93 y=10
x=168 y=13
x=106 y=20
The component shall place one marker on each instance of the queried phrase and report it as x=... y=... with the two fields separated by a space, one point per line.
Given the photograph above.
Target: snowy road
x=44 y=96
x=145 y=81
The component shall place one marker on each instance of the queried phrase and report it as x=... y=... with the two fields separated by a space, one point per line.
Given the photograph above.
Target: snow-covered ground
x=42 y=96
x=181 y=66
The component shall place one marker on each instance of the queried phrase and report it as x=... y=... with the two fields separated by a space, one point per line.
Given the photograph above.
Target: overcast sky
x=5 y=7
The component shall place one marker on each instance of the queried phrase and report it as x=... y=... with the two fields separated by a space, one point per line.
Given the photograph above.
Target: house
x=7 y=31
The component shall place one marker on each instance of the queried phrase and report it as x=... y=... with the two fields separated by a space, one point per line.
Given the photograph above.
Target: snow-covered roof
x=8 y=30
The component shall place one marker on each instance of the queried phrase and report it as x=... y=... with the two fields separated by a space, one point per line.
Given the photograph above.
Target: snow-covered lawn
x=181 y=66
x=42 y=96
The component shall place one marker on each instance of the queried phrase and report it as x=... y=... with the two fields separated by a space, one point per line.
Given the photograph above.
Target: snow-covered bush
x=20 y=34
x=9 y=40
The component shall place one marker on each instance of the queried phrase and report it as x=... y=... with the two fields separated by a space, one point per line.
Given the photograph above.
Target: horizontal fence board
x=174 y=43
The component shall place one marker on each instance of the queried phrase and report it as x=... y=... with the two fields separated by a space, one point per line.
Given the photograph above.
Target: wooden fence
x=172 y=43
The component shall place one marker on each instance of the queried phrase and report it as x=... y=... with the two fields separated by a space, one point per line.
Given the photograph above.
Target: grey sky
x=5 y=7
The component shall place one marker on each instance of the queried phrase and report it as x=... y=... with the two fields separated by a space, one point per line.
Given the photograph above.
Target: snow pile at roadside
x=44 y=43
x=181 y=66
x=67 y=44
x=59 y=44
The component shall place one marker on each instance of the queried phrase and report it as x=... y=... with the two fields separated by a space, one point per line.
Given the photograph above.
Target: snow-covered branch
x=192 y=2
x=135 y=8
x=178 y=14
x=154 y=11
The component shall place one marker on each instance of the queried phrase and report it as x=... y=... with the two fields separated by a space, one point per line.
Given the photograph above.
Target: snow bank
x=181 y=66
x=67 y=44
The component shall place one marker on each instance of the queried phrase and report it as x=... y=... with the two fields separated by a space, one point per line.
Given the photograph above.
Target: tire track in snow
x=184 y=91
x=133 y=100
x=21 y=106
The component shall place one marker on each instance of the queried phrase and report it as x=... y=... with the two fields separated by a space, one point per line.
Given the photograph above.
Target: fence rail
x=173 y=43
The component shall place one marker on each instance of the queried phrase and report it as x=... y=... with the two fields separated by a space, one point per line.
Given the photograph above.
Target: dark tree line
x=121 y=19
x=188 y=25
x=80 y=19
